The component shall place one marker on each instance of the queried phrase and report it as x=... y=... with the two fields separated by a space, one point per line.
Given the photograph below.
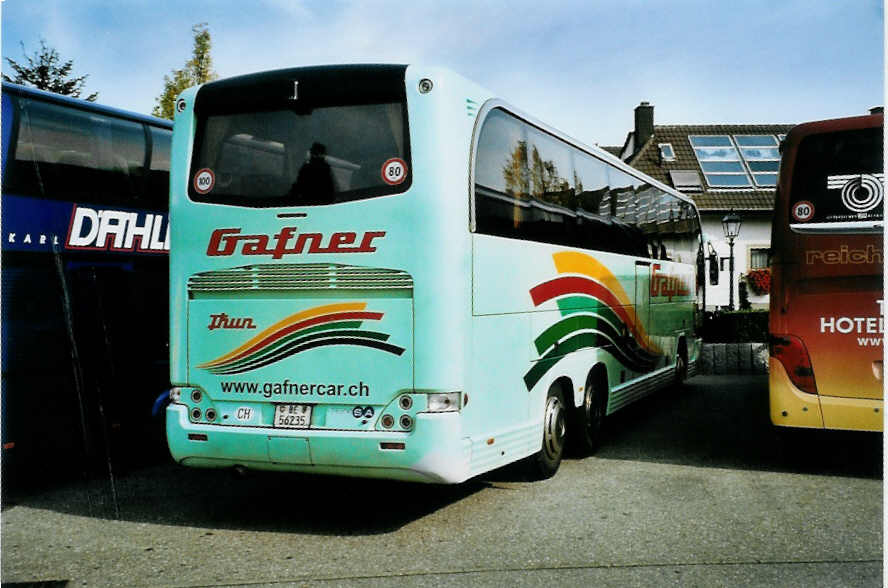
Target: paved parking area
x=690 y=489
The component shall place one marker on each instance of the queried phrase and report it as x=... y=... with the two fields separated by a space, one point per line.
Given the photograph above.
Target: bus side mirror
x=713 y=269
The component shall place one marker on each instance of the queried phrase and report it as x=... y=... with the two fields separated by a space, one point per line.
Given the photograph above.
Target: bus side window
x=502 y=180
x=592 y=201
x=628 y=239
x=123 y=161
x=21 y=175
x=83 y=156
x=159 y=168
x=552 y=216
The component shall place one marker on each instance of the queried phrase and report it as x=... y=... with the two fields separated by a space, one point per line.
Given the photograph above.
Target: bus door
x=643 y=294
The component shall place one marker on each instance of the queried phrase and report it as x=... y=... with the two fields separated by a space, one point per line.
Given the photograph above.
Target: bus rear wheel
x=590 y=415
x=546 y=461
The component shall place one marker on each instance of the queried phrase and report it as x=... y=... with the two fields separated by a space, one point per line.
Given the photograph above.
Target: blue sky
x=580 y=66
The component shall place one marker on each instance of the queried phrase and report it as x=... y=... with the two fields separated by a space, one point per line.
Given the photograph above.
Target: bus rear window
x=298 y=157
x=837 y=181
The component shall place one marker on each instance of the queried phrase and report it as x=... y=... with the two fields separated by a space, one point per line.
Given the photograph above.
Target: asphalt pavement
x=690 y=489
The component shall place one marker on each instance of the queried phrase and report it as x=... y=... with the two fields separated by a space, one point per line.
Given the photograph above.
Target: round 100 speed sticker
x=803 y=211
x=204 y=180
x=394 y=171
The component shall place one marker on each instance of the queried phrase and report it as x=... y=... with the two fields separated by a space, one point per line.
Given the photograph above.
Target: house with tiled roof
x=723 y=167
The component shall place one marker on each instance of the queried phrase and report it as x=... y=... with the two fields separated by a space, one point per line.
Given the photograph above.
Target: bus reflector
x=792 y=353
x=392 y=445
x=197 y=437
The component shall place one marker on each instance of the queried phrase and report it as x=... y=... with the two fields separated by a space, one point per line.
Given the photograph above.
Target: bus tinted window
x=159 y=171
x=531 y=185
x=502 y=181
x=21 y=176
x=552 y=203
x=837 y=178
x=67 y=154
x=123 y=165
x=590 y=179
x=550 y=169
x=291 y=158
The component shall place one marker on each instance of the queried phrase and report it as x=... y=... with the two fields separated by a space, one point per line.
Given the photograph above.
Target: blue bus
x=84 y=271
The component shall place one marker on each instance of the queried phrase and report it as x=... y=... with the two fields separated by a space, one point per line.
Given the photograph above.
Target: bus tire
x=544 y=463
x=681 y=364
x=589 y=416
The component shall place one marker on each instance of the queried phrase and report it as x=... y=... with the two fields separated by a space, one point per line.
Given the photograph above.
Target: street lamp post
x=731 y=226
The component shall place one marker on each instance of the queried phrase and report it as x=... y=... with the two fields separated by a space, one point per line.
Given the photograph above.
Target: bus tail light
x=792 y=353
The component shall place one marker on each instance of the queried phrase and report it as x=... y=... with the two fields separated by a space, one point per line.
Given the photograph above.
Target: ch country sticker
x=595 y=311
x=330 y=324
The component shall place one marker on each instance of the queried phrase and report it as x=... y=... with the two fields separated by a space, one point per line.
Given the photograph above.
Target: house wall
x=755 y=232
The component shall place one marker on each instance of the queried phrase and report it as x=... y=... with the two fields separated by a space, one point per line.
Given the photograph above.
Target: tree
x=197 y=70
x=45 y=70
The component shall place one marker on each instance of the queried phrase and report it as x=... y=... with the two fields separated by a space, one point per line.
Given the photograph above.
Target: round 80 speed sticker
x=394 y=171
x=204 y=180
x=803 y=211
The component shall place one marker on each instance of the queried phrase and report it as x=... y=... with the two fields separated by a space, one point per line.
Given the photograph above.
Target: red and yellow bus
x=826 y=320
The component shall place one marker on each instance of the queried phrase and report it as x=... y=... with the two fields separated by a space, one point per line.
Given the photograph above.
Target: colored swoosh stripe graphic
x=331 y=324
x=596 y=313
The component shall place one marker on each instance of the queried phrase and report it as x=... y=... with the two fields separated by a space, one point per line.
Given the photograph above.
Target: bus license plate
x=292 y=416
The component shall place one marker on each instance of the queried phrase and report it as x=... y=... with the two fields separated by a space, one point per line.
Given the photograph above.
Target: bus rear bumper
x=852 y=414
x=432 y=452
x=790 y=407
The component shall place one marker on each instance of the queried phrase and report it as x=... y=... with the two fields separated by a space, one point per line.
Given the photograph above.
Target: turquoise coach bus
x=385 y=271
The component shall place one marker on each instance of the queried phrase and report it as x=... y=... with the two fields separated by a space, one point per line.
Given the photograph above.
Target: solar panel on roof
x=737 y=161
x=760 y=154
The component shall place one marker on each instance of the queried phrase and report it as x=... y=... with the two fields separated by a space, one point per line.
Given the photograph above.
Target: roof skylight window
x=667 y=153
x=686 y=180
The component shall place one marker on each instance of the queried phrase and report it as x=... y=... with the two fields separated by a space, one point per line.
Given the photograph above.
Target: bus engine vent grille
x=287 y=277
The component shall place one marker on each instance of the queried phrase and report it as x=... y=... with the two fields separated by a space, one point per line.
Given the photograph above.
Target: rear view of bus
x=292 y=278
x=826 y=318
